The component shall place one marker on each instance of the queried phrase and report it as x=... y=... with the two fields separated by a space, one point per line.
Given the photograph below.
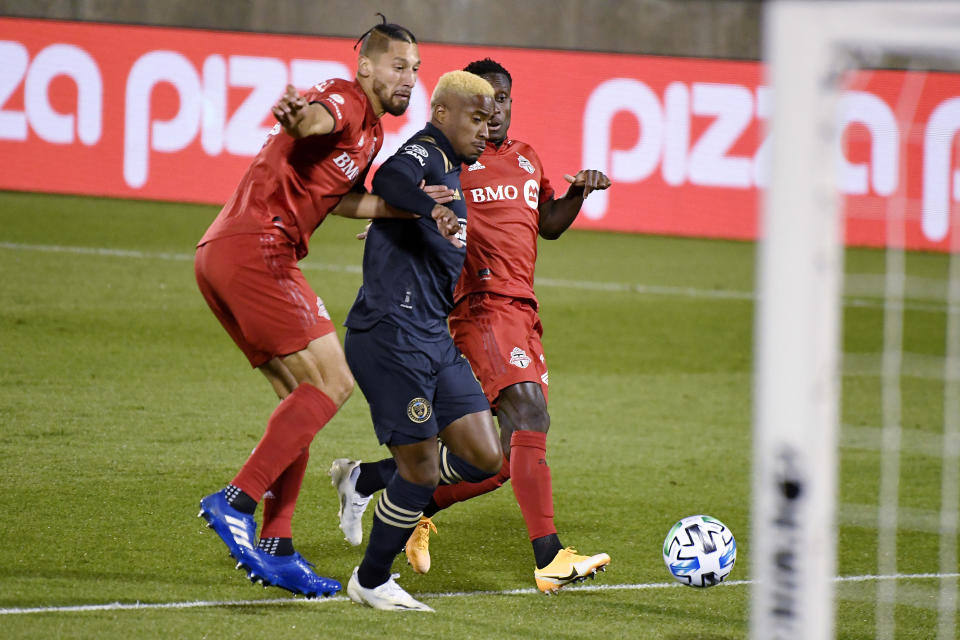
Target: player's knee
x=489 y=461
x=340 y=386
x=423 y=475
x=532 y=418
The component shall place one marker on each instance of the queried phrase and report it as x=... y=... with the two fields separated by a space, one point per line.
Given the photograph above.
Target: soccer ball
x=699 y=551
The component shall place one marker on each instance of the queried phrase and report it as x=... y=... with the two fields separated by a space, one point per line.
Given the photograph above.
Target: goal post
x=809 y=45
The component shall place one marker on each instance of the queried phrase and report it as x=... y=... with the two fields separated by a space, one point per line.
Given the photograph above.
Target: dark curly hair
x=486 y=67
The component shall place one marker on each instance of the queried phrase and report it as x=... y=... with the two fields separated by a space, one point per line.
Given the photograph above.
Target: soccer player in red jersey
x=313 y=163
x=495 y=324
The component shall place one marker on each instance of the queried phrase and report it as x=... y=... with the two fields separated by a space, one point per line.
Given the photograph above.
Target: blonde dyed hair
x=461 y=83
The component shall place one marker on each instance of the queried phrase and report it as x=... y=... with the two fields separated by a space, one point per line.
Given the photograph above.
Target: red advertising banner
x=176 y=114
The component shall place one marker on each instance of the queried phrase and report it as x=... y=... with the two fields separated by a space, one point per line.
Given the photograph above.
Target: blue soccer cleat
x=293 y=573
x=237 y=529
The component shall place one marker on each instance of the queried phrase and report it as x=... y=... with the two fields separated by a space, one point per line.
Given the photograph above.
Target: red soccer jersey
x=503 y=189
x=292 y=184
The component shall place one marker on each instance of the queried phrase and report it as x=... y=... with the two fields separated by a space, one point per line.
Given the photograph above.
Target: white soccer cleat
x=388 y=597
x=352 y=504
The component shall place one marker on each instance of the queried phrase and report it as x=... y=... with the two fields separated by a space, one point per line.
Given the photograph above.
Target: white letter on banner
x=214 y=104
x=631 y=165
x=873 y=113
x=937 y=150
x=710 y=164
x=761 y=159
x=676 y=139
x=75 y=63
x=13 y=124
x=268 y=78
x=170 y=135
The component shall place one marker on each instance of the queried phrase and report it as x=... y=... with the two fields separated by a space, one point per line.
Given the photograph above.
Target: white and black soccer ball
x=699 y=551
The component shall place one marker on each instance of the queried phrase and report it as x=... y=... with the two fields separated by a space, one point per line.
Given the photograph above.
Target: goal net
x=857 y=376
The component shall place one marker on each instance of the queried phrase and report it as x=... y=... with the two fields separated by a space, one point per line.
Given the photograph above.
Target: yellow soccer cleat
x=569 y=567
x=418 y=545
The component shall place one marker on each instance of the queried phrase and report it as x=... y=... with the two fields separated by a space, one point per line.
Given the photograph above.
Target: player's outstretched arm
x=400 y=185
x=556 y=215
x=447 y=223
x=300 y=118
x=359 y=205
x=369 y=206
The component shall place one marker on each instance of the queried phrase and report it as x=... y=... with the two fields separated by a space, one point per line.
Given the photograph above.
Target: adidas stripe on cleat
x=567 y=566
x=238 y=530
x=293 y=573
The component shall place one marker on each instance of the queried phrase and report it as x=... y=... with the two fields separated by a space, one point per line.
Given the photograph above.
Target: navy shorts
x=415 y=387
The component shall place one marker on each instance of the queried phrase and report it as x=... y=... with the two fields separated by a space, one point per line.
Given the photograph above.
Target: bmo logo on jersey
x=347 y=166
x=531 y=193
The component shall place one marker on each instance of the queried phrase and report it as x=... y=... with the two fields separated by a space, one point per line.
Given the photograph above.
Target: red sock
x=531 y=481
x=280 y=500
x=290 y=431
x=448 y=494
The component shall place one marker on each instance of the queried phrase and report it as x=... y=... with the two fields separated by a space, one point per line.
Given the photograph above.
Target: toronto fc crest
x=519 y=358
x=525 y=164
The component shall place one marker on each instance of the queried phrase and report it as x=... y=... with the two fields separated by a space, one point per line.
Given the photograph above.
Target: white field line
x=583 y=285
x=125 y=606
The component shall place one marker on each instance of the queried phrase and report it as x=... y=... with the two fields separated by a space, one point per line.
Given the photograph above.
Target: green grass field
x=123 y=402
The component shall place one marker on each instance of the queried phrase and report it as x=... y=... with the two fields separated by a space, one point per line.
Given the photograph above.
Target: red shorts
x=255 y=288
x=500 y=336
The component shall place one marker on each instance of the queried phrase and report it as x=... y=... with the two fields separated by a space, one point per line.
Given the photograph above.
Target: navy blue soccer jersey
x=409 y=268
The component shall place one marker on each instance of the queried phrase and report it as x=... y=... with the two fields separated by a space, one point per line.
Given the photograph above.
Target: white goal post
x=808 y=46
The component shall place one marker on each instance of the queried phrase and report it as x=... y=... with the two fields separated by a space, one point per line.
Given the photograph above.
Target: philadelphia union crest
x=419 y=410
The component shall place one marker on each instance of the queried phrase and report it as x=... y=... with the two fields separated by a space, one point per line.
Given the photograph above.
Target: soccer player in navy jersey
x=419 y=387
x=312 y=164
x=495 y=323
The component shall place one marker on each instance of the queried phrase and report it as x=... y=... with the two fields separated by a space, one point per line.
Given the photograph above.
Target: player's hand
x=447 y=224
x=440 y=193
x=588 y=180
x=363 y=234
x=289 y=110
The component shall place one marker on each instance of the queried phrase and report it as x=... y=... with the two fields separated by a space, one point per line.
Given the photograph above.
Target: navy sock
x=431 y=509
x=240 y=500
x=454 y=469
x=374 y=476
x=397 y=512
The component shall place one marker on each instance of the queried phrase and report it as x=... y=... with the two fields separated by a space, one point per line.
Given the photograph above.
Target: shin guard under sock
x=530 y=478
x=290 y=430
x=397 y=512
x=280 y=500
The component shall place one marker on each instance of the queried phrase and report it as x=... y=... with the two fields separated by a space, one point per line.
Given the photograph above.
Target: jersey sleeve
x=344 y=106
x=398 y=180
x=546 y=187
